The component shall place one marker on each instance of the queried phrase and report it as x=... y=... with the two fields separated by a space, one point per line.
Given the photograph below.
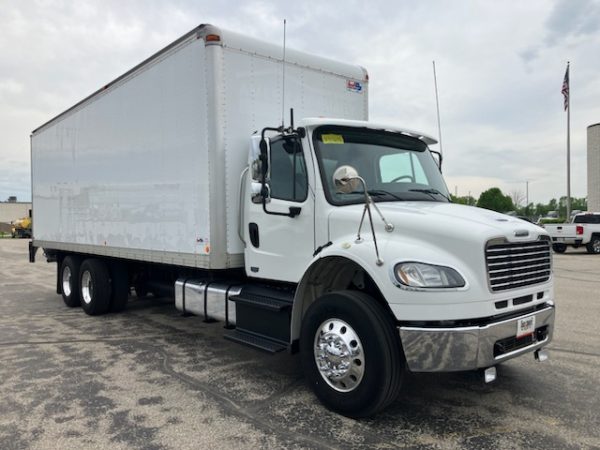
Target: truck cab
x=357 y=215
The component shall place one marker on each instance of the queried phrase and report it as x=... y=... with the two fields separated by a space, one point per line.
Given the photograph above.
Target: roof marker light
x=212 y=38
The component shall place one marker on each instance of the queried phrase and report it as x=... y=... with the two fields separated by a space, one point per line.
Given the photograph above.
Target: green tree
x=495 y=200
x=579 y=203
x=541 y=210
x=466 y=200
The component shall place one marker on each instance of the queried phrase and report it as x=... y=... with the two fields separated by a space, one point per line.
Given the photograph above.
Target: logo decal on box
x=354 y=86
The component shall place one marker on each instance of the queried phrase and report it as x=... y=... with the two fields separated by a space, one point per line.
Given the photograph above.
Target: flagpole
x=569 y=147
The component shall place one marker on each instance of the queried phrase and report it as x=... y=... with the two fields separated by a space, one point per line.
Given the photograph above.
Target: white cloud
x=500 y=69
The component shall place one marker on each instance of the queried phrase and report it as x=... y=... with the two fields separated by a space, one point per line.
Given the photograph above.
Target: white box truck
x=333 y=236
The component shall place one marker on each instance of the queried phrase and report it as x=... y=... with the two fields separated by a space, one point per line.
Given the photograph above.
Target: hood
x=427 y=220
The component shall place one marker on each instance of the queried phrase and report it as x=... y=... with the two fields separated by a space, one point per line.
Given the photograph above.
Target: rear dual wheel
x=94 y=285
x=94 y=282
x=69 y=280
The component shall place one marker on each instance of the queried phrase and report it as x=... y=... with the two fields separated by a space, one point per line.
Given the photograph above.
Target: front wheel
x=559 y=248
x=351 y=353
x=594 y=245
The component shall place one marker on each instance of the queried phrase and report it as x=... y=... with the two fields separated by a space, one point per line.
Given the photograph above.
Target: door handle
x=253 y=231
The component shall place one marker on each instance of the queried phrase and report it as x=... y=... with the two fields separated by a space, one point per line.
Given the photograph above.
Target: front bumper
x=429 y=349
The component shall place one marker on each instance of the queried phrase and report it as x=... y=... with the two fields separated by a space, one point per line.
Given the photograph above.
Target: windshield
x=394 y=166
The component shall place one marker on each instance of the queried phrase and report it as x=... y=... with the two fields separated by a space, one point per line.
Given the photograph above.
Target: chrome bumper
x=468 y=348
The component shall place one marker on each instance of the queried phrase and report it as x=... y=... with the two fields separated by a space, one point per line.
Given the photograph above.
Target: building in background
x=13 y=210
x=593 y=167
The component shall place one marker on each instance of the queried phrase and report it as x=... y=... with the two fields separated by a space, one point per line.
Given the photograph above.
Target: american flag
x=565 y=88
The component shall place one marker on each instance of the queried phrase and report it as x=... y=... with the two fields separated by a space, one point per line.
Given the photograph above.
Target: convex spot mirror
x=346 y=179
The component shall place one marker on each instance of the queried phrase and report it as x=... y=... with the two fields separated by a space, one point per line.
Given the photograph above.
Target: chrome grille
x=517 y=264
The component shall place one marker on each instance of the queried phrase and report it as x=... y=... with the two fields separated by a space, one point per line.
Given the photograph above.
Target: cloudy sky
x=500 y=67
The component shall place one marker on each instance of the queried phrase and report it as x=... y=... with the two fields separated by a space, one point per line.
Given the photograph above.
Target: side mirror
x=346 y=179
x=260 y=150
x=265 y=157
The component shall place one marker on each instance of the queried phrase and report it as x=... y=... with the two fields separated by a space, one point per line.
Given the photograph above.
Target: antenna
x=283 y=79
x=437 y=104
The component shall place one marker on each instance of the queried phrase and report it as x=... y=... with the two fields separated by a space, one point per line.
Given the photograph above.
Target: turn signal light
x=579 y=229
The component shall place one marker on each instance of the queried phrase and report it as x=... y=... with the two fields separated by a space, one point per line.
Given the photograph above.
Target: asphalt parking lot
x=149 y=378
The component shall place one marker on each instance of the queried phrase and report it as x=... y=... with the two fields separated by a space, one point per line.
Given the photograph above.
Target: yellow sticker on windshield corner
x=332 y=138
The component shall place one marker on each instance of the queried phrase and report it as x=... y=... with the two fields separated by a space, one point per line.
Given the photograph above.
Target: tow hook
x=490 y=374
x=541 y=355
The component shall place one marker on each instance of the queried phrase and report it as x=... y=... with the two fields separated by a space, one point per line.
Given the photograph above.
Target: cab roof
x=318 y=121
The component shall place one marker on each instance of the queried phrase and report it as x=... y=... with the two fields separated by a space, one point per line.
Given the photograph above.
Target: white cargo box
x=148 y=167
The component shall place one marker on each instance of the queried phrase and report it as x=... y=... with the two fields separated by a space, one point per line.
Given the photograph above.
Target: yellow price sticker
x=332 y=138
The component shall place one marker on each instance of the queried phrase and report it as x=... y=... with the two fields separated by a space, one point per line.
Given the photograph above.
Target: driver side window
x=402 y=168
x=288 y=177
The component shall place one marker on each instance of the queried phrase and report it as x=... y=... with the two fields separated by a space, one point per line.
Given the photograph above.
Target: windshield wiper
x=430 y=192
x=379 y=193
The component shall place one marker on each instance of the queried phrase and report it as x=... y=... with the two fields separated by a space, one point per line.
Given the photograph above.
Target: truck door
x=279 y=246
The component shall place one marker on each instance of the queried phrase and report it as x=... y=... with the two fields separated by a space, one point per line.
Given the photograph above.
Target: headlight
x=421 y=275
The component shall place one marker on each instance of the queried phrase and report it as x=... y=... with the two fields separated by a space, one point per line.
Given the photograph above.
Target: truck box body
x=148 y=167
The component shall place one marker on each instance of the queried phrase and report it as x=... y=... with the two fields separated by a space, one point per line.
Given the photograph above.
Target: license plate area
x=525 y=327
x=511 y=344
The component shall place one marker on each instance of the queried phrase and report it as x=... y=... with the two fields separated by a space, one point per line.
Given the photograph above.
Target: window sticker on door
x=332 y=138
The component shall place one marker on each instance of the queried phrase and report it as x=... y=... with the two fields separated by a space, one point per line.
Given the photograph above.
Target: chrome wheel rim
x=596 y=246
x=339 y=355
x=66 y=281
x=87 y=287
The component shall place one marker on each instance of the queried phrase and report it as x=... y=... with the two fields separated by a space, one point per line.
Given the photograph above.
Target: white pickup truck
x=584 y=229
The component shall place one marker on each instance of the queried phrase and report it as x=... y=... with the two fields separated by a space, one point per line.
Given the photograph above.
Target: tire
x=141 y=290
x=119 y=286
x=94 y=287
x=69 y=281
x=594 y=245
x=559 y=248
x=139 y=285
x=377 y=363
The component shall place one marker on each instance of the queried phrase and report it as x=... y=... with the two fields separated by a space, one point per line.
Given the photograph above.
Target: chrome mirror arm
x=367 y=210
